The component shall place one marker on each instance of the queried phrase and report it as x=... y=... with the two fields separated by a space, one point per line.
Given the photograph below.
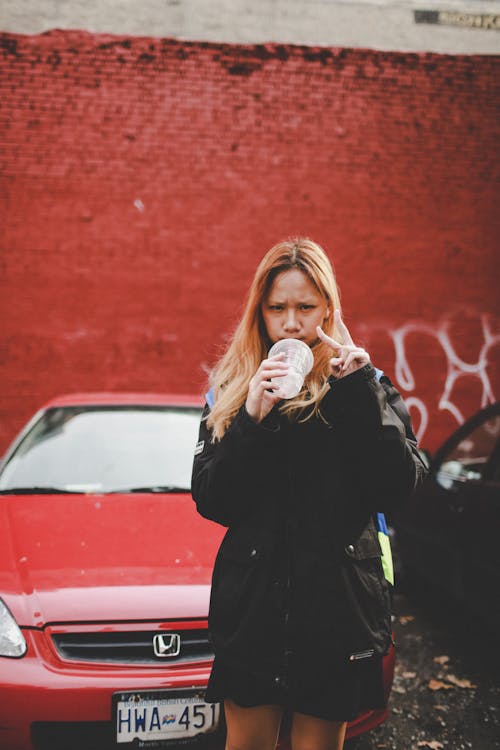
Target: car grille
x=131 y=647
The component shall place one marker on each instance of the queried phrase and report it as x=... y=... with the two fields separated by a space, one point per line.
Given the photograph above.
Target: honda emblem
x=167 y=645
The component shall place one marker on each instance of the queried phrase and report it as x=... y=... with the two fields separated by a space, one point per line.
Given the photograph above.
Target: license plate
x=161 y=715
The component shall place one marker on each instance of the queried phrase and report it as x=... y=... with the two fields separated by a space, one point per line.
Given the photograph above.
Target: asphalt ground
x=446 y=692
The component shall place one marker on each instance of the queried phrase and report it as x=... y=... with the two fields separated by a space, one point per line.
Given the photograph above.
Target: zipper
x=287 y=652
x=366 y=654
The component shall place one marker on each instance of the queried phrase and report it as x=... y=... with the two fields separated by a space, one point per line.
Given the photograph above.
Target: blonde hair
x=249 y=344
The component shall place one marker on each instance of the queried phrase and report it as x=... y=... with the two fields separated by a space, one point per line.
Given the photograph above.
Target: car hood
x=74 y=558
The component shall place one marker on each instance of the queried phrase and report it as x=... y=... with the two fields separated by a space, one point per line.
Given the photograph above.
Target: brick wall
x=142 y=180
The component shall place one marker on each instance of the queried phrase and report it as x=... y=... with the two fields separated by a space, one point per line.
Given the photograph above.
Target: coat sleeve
x=231 y=476
x=380 y=458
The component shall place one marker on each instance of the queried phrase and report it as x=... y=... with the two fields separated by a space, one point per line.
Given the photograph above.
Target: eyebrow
x=278 y=301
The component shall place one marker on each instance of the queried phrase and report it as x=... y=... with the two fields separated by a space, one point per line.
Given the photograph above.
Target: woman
x=300 y=608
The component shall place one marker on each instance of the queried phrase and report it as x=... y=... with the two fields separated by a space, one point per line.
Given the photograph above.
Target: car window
x=106 y=449
x=468 y=460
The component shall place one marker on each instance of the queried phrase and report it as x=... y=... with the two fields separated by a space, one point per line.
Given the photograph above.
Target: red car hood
x=74 y=558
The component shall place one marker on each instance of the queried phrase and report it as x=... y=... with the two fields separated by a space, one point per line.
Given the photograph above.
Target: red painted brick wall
x=142 y=180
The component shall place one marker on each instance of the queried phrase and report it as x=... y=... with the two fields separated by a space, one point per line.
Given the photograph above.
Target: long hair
x=250 y=344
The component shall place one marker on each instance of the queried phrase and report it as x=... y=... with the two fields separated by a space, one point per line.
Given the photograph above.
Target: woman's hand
x=349 y=356
x=262 y=392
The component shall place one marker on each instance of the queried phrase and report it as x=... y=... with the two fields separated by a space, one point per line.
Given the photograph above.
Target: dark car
x=449 y=532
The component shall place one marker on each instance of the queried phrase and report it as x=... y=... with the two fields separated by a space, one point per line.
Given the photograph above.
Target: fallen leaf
x=433 y=744
x=409 y=675
x=438 y=707
x=438 y=685
x=405 y=618
x=459 y=683
x=399 y=689
x=441 y=659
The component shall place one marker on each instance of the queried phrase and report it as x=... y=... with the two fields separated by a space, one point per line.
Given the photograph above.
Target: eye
x=275 y=307
x=307 y=307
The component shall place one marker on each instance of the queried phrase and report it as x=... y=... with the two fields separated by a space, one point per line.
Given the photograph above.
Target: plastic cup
x=299 y=358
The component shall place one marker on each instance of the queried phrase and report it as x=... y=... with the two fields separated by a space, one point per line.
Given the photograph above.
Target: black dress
x=339 y=693
x=349 y=690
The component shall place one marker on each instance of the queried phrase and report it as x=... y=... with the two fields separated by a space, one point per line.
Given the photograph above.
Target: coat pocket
x=365 y=547
x=363 y=596
x=368 y=602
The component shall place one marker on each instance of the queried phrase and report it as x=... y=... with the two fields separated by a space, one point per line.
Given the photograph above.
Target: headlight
x=12 y=641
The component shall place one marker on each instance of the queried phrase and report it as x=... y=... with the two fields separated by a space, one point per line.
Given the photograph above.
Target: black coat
x=298 y=582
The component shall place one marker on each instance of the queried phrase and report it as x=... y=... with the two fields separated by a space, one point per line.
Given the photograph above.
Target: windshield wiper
x=38 y=491
x=161 y=488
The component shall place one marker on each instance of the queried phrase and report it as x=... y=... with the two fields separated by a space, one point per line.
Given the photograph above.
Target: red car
x=105 y=571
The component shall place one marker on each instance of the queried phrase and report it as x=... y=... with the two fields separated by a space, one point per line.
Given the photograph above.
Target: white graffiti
x=456 y=367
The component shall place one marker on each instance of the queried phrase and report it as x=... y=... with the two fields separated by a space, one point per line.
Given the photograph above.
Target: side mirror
x=451 y=474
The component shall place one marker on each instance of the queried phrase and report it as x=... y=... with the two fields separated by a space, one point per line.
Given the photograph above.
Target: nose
x=291 y=322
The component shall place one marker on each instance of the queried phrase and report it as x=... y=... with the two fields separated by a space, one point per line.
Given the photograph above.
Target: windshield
x=106 y=449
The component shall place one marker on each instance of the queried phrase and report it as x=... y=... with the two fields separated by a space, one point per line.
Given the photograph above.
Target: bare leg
x=255 y=728
x=309 y=733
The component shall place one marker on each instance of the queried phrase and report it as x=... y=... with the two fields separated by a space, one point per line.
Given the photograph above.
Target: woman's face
x=293 y=308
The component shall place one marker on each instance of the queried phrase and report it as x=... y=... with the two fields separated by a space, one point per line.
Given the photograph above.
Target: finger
x=266 y=374
x=266 y=385
x=277 y=360
x=342 y=328
x=267 y=364
x=327 y=339
x=336 y=366
x=277 y=373
x=359 y=356
x=348 y=349
x=257 y=387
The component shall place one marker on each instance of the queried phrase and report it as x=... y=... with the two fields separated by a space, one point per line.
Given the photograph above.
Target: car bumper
x=46 y=704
